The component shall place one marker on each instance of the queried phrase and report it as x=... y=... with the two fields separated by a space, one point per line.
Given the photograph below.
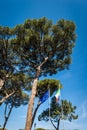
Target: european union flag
x=45 y=96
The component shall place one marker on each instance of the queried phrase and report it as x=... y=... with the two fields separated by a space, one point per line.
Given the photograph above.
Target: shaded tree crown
x=39 y=39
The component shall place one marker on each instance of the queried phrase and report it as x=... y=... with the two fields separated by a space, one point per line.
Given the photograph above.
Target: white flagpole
x=61 y=106
x=49 y=108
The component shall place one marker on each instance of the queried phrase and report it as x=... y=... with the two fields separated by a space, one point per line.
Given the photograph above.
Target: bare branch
x=53 y=124
x=1 y=83
x=44 y=61
x=6 y=97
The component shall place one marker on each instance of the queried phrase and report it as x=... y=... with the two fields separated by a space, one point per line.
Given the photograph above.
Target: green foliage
x=38 y=39
x=18 y=99
x=16 y=83
x=39 y=129
x=63 y=111
x=25 y=47
x=44 y=85
x=13 y=81
x=2 y=129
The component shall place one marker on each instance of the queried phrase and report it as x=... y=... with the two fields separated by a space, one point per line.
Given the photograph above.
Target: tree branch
x=7 y=117
x=53 y=124
x=58 y=124
x=5 y=111
x=39 y=67
x=6 y=97
x=35 y=111
x=44 y=61
x=1 y=83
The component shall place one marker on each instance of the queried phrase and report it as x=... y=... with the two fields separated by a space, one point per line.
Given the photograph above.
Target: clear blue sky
x=13 y=12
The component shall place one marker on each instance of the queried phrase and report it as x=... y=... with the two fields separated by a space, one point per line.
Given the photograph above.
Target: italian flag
x=57 y=95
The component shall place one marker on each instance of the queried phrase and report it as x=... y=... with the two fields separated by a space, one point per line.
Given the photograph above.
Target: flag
x=57 y=95
x=45 y=96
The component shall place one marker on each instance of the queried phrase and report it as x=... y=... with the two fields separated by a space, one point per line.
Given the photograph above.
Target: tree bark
x=31 y=102
x=1 y=83
x=57 y=128
x=7 y=117
x=53 y=124
x=35 y=113
x=58 y=124
x=6 y=97
x=30 y=106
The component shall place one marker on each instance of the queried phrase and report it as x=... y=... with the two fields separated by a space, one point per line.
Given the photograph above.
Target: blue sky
x=13 y=12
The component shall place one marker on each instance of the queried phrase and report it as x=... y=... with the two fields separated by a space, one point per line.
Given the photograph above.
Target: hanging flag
x=57 y=95
x=45 y=96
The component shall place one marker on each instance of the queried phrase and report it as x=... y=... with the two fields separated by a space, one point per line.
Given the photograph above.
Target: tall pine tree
x=43 y=49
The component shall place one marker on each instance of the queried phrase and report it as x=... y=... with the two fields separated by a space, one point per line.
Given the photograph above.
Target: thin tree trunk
x=35 y=113
x=58 y=124
x=31 y=101
x=53 y=125
x=7 y=117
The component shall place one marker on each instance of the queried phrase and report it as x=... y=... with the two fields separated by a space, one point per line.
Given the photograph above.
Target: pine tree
x=58 y=112
x=43 y=49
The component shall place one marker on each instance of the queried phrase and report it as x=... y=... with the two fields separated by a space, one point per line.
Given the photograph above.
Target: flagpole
x=49 y=108
x=61 y=103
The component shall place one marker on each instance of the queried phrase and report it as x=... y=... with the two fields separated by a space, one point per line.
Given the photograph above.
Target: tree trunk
x=57 y=128
x=7 y=117
x=35 y=113
x=31 y=101
x=53 y=124
x=58 y=124
x=30 y=106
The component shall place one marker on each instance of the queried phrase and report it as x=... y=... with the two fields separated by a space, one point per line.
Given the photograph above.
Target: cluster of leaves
x=10 y=80
x=63 y=111
x=39 y=129
x=37 y=39
x=47 y=84
x=2 y=129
